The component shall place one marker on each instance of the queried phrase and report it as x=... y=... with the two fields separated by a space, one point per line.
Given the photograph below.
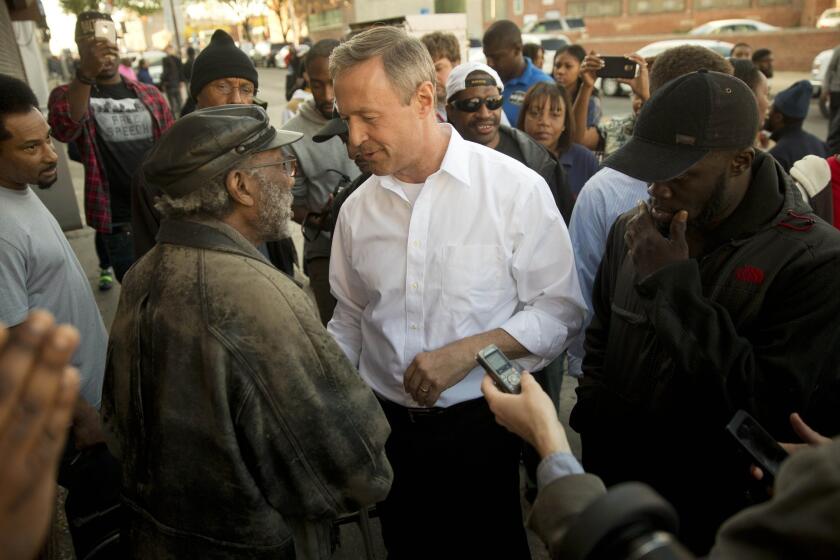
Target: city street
x=271 y=90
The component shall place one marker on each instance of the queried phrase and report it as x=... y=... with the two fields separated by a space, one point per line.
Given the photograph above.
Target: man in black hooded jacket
x=719 y=294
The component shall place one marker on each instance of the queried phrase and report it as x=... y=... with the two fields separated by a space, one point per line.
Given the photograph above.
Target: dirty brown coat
x=241 y=427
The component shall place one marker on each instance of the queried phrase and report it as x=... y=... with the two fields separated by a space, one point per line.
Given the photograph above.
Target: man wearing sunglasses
x=241 y=427
x=474 y=108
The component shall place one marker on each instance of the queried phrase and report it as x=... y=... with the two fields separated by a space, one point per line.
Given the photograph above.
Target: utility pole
x=175 y=27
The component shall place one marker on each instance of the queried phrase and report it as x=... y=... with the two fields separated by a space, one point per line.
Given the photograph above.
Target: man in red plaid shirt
x=113 y=121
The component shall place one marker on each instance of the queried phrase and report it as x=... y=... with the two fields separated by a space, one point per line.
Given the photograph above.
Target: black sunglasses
x=474 y=104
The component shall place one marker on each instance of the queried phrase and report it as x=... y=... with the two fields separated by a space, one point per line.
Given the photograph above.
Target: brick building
x=606 y=18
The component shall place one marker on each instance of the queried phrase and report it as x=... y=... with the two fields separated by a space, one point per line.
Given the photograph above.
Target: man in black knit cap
x=221 y=75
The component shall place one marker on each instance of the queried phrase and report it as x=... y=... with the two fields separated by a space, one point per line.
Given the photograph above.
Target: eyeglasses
x=474 y=104
x=289 y=166
x=224 y=88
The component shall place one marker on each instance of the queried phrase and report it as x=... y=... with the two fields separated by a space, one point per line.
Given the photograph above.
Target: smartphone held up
x=97 y=28
x=618 y=67
x=104 y=29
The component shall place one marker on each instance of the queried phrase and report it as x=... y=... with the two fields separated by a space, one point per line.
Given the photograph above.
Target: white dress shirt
x=482 y=247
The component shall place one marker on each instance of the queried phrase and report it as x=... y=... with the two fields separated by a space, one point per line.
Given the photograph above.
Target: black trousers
x=119 y=245
x=456 y=485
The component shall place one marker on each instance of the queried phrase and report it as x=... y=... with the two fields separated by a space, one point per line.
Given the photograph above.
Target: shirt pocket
x=475 y=277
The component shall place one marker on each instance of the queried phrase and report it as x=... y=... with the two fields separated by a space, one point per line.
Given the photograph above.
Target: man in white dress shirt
x=448 y=247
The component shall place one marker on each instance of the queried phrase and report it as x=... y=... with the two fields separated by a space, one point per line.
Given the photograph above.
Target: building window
x=495 y=9
x=721 y=4
x=773 y=2
x=593 y=8
x=450 y=6
x=656 y=6
x=325 y=20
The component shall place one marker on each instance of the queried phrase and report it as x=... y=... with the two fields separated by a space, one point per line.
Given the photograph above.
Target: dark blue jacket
x=793 y=144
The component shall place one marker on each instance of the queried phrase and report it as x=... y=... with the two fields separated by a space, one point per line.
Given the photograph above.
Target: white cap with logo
x=459 y=79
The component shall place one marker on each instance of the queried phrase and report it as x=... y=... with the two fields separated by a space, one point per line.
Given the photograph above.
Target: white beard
x=275 y=212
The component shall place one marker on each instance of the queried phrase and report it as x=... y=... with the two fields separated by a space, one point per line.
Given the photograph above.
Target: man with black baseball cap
x=712 y=296
x=241 y=427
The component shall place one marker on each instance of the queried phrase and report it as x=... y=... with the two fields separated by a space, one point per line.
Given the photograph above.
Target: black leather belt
x=399 y=413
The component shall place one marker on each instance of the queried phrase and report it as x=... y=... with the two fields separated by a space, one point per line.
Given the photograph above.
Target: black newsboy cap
x=208 y=142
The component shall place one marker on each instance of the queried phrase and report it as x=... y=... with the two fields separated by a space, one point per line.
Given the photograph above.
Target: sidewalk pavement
x=783 y=80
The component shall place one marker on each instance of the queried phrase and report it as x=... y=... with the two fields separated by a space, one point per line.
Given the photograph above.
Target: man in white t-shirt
x=448 y=248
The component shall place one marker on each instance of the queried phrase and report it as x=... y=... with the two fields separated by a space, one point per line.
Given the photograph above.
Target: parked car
x=551 y=45
x=829 y=19
x=722 y=26
x=654 y=49
x=553 y=27
x=818 y=69
x=612 y=87
x=260 y=53
x=550 y=29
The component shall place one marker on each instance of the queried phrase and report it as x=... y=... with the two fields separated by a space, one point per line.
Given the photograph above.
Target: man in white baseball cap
x=474 y=108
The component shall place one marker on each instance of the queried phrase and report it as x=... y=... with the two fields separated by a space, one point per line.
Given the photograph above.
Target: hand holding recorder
x=529 y=413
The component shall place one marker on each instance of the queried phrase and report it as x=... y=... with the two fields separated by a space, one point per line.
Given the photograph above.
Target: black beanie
x=221 y=59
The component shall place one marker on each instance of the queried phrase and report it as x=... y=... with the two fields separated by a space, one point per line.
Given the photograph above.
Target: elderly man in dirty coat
x=241 y=427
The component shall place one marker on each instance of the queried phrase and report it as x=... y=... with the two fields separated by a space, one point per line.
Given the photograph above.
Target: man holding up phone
x=113 y=121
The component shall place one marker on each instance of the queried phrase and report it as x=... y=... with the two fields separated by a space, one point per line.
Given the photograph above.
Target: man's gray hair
x=211 y=200
x=406 y=61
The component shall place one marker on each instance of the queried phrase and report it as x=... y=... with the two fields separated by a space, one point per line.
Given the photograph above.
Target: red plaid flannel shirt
x=83 y=133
